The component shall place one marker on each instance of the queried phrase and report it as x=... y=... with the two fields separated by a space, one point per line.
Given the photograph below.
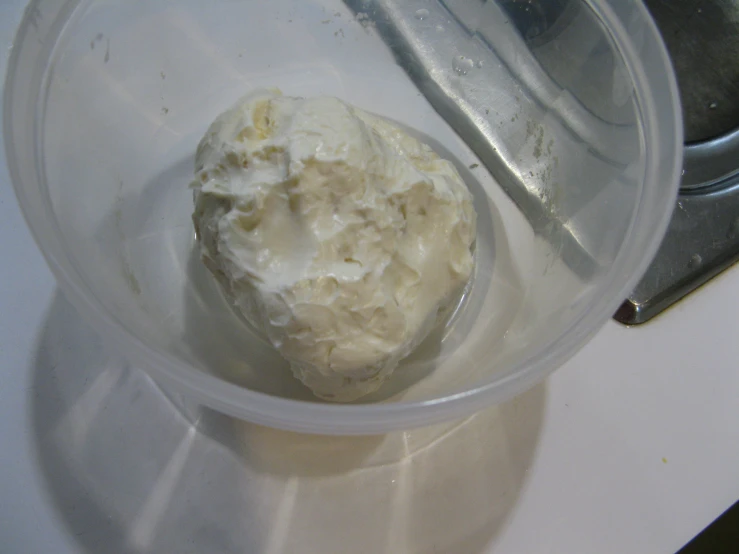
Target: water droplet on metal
x=695 y=261
x=462 y=65
x=422 y=14
x=713 y=105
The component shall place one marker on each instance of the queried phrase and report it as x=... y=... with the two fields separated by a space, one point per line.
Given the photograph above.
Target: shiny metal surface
x=702 y=241
x=703 y=237
x=548 y=65
x=703 y=40
x=711 y=164
x=519 y=66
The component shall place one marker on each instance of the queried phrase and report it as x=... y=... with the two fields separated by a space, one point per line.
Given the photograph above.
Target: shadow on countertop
x=127 y=474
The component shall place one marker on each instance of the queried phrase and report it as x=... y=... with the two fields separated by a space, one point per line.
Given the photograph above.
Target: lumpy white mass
x=333 y=231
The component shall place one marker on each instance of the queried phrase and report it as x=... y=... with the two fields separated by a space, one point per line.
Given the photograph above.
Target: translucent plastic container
x=562 y=116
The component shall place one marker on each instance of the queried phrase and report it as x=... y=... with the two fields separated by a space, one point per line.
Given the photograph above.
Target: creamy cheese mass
x=333 y=231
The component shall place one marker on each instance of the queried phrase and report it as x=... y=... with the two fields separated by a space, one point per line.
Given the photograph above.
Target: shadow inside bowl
x=128 y=474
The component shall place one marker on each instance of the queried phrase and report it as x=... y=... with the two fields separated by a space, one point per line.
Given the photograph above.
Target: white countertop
x=632 y=446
